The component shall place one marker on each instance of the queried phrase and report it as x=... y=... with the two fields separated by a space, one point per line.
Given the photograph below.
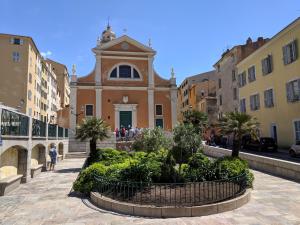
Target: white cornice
x=124 y=57
x=123 y=88
x=127 y=39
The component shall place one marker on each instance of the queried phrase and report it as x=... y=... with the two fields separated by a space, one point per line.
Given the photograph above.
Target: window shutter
x=266 y=98
x=21 y=41
x=251 y=102
x=289 y=93
x=294 y=50
x=298 y=94
x=284 y=51
x=270 y=63
x=258 y=102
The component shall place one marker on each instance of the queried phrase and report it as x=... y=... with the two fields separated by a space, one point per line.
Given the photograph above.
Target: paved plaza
x=44 y=200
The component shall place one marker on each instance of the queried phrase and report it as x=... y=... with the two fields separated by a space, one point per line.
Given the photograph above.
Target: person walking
x=53 y=156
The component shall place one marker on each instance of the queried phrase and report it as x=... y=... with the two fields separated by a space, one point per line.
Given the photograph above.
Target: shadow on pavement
x=71 y=170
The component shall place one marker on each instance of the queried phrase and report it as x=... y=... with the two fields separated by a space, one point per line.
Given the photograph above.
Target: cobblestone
x=45 y=200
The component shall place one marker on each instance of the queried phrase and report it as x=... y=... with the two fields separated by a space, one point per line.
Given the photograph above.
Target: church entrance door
x=126 y=119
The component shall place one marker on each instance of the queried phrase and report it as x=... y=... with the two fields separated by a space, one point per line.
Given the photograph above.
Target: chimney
x=260 y=41
x=249 y=41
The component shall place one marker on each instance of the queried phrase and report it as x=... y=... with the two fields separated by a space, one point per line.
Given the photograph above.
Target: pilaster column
x=98 y=102
x=134 y=117
x=117 y=119
x=150 y=72
x=151 y=108
x=98 y=71
x=73 y=110
x=174 y=106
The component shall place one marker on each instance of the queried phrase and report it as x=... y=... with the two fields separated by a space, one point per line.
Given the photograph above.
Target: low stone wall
x=277 y=167
x=36 y=170
x=170 y=211
x=10 y=183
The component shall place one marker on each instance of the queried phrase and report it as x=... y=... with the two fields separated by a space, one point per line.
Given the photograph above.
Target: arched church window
x=125 y=72
x=114 y=73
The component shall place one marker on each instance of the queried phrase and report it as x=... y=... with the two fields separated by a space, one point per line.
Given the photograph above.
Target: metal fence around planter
x=14 y=124
x=38 y=128
x=172 y=194
x=51 y=131
x=60 y=132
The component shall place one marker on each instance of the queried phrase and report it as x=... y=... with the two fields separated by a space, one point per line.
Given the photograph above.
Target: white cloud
x=46 y=54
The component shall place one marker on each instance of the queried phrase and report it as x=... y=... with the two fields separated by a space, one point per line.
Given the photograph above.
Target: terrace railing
x=14 y=124
x=38 y=128
x=60 y=132
x=172 y=194
x=52 y=131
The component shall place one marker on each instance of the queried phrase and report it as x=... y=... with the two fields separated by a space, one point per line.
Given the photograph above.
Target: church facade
x=123 y=89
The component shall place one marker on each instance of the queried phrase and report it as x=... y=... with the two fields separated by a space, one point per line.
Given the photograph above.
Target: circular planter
x=168 y=211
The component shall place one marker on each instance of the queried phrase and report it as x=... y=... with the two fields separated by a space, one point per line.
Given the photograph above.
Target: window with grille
x=254 y=102
x=124 y=72
x=297 y=130
x=269 y=98
x=243 y=105
x=290 y=52
x=89 y=110
x=251 y=74
x=242 y=79
x=266 y=65
x=158 y=110
x=293 y=91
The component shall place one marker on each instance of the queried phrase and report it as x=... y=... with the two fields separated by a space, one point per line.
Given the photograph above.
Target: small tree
x=151 y=140
x=187 y=141
x=238 y=124
x=93 y=129
x=197 y=118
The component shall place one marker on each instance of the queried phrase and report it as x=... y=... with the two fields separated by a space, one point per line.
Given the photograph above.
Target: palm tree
x=197 y=118
x=238 y=124
x=93 y=129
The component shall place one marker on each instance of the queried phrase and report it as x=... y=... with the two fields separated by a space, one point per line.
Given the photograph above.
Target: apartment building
x=193 y=89
x=227 y=86
x=269 y=86
x=63 y=83
x=24 y=77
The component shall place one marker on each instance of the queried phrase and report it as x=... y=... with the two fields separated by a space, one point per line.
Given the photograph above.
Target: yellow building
x=192 y=90
x=25 y=78
x=269 y=86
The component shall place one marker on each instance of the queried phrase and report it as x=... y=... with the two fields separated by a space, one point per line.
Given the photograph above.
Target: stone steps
x=76 y=155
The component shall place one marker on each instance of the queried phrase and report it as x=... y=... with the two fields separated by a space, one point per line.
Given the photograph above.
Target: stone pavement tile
x=44 y=200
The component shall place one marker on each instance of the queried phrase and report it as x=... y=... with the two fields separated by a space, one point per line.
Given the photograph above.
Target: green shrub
x=228 y=167
x=151 y=140
x=86 y=179
x=199 y=168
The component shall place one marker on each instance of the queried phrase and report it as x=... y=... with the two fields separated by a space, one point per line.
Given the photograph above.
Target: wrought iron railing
x=38 y=128
x=66 y=132
x=51 y=130
x=14 y=124
x=60 y=132
x=172 y=194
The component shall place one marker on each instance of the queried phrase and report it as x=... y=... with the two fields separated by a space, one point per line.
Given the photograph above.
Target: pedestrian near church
x=53 y=157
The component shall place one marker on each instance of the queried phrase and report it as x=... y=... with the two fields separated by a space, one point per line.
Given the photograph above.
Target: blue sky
x=187 y=35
